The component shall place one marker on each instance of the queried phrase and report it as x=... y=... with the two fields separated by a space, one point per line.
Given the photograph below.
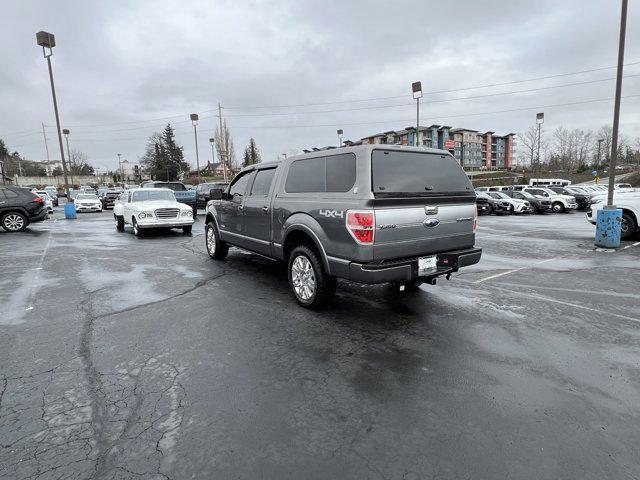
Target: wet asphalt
x=141 y=358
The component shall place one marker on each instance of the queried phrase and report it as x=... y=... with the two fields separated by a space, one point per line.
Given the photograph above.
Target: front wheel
x=119 y=223
x=14 y=222
x=311 y=286
x=187 y=230
x=137 y=231
x=628 y=226
x=216 y=248
x=557 y=207
x=195 y=212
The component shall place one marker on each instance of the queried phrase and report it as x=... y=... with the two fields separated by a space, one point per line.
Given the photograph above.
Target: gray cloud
x=122 y=62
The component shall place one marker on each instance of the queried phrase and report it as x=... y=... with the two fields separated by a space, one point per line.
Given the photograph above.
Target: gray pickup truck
x=370 y=214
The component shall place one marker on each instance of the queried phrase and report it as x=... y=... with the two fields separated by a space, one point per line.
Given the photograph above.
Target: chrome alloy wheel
x=624 y=226
x=13 y=222
x=303 y=278
x=211 y=240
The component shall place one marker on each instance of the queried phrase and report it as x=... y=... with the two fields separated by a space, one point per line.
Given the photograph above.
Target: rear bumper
x=39 y=217
x=406 y=269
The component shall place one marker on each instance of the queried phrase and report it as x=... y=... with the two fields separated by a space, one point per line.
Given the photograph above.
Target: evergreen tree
x=251 y=154
x=164 y=158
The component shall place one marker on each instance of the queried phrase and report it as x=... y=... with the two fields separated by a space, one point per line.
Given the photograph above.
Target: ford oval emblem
x=431 y=222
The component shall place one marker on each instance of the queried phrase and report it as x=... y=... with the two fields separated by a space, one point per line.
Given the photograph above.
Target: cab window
x=238 y=187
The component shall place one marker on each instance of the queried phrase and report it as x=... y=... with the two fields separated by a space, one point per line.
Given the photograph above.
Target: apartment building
x=471 y=148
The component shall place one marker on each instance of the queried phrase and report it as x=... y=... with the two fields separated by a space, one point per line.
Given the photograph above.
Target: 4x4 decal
x=332 y=213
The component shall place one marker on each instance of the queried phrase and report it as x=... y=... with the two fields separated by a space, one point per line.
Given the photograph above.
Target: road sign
x=594 y=172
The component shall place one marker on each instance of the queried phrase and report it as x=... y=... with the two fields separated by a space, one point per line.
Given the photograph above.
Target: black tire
x=195 y=212
x=557 y=207
x=534 y=208
x=137 y=231
x=14 y=222
x=217 y=249
x=187 y=230
x=317 y=286
x=628 y=227
x=119 y=222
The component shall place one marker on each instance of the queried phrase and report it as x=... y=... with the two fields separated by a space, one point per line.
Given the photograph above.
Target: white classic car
x=87 y=202
x=146 y=208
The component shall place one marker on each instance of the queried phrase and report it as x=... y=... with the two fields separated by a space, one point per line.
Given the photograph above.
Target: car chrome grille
x=167 y=213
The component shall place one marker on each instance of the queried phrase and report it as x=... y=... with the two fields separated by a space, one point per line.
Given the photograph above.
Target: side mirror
x=215 y=194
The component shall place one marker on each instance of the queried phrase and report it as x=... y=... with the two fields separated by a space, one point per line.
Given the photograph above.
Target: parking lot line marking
x=573 y=290
x=38 y=269
x=632 y=245
x=569 y=304
x=491 y=277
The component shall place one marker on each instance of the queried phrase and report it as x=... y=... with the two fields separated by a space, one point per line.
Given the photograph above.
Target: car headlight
x=142 y=215
x=185 y=213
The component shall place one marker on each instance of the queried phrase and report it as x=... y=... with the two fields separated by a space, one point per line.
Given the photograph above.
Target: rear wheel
x=557 y=207
x=627 y=227
x=534 y=208
x=311 y=286
x=119 y=223
x=14 y=222
x=216 y=248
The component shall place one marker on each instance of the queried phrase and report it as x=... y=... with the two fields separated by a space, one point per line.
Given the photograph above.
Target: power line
x=513 y=82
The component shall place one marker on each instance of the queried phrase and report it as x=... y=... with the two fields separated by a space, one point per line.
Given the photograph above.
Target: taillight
x=475 y=219
x=37 y=200
x=361 y=225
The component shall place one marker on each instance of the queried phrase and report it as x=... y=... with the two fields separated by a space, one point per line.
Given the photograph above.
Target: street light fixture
x=340 y=132
x=47 y=41
x=194 y=121
x=416 y=88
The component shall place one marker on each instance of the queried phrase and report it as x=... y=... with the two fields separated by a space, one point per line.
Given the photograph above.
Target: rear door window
x=398 y=173
x=262 y=182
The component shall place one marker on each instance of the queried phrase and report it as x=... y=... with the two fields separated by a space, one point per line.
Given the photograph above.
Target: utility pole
x=616 y=108
x=46 y=147
x=47 y=41
x=223 y=144
x=121 y=171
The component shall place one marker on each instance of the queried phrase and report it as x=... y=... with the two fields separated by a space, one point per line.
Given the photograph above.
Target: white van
x=549 y=182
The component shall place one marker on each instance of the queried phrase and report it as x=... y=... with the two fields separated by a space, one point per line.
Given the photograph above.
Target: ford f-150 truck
x=370 y=214
x=182 y=193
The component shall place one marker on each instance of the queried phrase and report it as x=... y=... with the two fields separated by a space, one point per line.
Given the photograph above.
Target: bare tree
x=529 y=140
x=79 y=163
x=224 y=146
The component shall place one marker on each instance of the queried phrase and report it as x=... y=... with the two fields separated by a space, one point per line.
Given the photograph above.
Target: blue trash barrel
x=70 y=210
x=608 y=223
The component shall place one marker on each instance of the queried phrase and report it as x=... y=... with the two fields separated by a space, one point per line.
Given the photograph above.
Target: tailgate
x=422 y=228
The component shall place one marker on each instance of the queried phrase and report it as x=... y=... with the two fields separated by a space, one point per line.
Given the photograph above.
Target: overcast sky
x=122 y=68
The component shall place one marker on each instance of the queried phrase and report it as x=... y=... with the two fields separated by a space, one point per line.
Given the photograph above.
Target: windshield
x=175 y=186
x=416 y=174
x=498 y=195
x=153 y=195
x=86 y=196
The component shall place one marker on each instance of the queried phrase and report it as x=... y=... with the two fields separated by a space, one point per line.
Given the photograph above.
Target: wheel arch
x=297 y=234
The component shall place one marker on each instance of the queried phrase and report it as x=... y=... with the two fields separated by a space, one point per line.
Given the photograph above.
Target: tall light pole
x=194 y=121
x=47 y=41
x=120 y=169
x=616 y=107
x=600 y=140
x=339 y=137
x=416 y=88
x=66 y=132
x=539 y=121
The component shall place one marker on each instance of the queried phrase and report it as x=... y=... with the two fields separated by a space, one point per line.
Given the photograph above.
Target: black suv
x=538 y=205
x=203 y=192
x=19 y=207
x=109 y=197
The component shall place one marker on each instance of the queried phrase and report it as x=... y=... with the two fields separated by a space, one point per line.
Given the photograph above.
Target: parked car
x=497 y=207
x=151 y=208
x=203 y=192
x=19 y=207
x=583 y=199
x=370 y=214
x=181 y=192
x=517 y=206
x=87 y=202
x=630 y=205
x=538 y=205
x=109 y=197
x=47 y=200
x=559 y=203
x=53 y=194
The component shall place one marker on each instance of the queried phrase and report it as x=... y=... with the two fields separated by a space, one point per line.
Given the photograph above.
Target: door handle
x=265 y=209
